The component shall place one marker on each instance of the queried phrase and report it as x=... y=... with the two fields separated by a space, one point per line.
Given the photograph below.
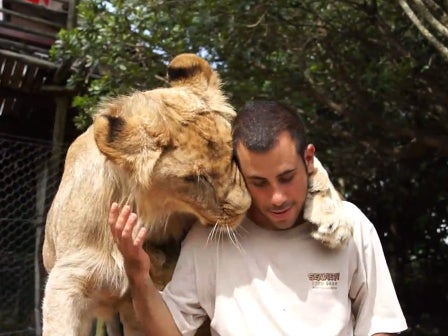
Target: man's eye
x=259 y=184
x=286 y=179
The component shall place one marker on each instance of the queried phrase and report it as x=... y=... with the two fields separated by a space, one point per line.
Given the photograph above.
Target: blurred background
x=369 y=78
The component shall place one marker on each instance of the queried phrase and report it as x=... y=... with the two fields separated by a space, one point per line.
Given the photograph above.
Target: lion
x=167 y=152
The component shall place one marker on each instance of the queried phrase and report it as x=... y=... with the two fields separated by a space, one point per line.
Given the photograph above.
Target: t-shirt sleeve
x=375 y=304
x=181 y=294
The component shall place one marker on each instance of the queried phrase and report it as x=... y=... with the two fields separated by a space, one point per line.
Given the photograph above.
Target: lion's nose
x=238 y=199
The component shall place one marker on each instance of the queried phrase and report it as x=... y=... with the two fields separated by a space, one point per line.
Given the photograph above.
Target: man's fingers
x=122 y=219
x=113 y=216
x=122 y=224
x=141 y=235
x=129 y=225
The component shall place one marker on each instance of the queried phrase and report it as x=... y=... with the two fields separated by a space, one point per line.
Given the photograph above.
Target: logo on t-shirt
x=324 y=280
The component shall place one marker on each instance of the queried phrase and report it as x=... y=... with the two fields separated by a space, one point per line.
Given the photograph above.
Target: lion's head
x=174 y=144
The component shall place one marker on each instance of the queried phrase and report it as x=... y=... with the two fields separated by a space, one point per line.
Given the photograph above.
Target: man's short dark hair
x=259 y=123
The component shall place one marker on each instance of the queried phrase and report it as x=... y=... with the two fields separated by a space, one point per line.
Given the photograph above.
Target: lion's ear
x=323 y=208
x=191 y=70
x=126 y=143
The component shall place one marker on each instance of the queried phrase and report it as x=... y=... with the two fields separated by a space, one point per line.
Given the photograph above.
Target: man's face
x=277 y=181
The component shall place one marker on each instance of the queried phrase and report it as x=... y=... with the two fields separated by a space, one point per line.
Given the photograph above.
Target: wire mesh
x=29 y=177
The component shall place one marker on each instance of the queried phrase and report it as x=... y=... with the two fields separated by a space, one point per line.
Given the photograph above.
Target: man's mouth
x=280 y=212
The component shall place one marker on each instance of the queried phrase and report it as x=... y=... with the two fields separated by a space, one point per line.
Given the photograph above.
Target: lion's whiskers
x=233 y=238
x=211 y=235
x=221 y=231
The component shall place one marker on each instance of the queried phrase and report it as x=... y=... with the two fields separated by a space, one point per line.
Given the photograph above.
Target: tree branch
x=425 y=13
x=434 y=7
x=338 y=108
x=426 y=33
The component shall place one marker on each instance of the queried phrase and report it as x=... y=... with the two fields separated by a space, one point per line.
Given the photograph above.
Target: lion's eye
x=199 y=179
x=190 y=178
x=194 y=178
x=202 y=180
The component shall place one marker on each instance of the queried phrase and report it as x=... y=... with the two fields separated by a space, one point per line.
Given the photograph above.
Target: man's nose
x=278 y=196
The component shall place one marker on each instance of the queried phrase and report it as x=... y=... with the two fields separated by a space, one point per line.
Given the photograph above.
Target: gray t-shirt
x=284 y=283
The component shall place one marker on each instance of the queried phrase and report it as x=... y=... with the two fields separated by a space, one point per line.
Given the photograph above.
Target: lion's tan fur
x=323 y=208
x=147 y=150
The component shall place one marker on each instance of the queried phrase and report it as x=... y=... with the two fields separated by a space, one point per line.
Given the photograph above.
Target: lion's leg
x=113 y=326
x=66 y=311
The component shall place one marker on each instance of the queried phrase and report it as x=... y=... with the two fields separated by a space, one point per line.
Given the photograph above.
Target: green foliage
x=372 y=90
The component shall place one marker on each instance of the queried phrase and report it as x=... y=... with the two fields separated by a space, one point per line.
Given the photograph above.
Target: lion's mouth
x=229 y=222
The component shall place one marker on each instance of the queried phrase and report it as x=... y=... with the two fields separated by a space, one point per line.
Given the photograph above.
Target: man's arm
x=375 y=304
x=151 y=310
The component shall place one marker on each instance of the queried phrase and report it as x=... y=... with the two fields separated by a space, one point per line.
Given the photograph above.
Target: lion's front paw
x=324 y=209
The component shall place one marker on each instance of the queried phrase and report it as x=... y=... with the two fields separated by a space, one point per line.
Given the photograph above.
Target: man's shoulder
x=350 y=207
x=197 y=233
x=355 y=215
x=363 y=228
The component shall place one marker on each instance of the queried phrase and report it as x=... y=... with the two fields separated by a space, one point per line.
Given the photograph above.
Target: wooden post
x=41 y=196
x=60 y=118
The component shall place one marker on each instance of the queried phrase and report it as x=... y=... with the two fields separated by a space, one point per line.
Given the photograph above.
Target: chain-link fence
x=29 y=177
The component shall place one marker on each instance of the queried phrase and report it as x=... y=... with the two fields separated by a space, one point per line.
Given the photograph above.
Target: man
x=276 y=280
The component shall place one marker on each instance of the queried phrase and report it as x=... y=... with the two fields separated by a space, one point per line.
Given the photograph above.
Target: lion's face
x=174 y=144
x=197 y=174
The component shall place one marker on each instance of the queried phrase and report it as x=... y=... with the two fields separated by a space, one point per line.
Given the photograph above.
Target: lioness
x=166 y=152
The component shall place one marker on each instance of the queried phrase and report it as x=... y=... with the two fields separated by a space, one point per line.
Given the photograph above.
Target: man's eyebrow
x=286 y=172
x=255 y=177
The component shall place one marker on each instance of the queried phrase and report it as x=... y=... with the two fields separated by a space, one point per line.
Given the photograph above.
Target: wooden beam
x=12 y=45
x=32 y=18
x=28 y=37
x=40 y=11
x=45 y=90
x=58 y=90
x=29 y=60
x=30 y=30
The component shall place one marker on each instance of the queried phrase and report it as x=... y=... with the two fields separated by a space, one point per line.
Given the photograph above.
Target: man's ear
x=309 y=158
